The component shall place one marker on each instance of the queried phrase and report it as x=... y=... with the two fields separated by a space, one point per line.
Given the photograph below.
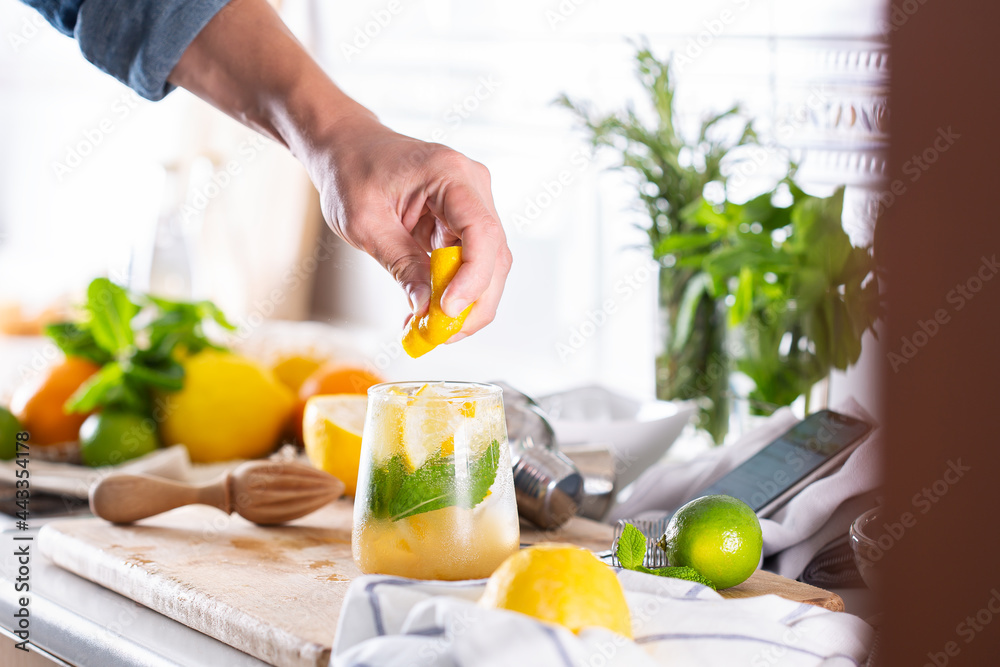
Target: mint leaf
x=686 y=573
x=77 y=341
x=182 y=324
x=385 y=483
x=631 y=552
x=111 y=313
x=429 y=487
x=109 y=387
x=482 y=473
x=631 y=547
x=396 y=494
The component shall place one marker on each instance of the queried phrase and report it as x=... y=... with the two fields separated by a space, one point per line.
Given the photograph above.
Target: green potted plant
x=802 y=296
x=673 y=171
x=782 y=284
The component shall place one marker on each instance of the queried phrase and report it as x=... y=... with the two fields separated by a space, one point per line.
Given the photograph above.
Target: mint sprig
x=397 y=493
x=682 y=572
x=136 y=339
x=631 y=548
x=631 y=552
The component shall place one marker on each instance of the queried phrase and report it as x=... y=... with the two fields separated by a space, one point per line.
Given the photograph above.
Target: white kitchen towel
x=817 y=515
x=395 y=622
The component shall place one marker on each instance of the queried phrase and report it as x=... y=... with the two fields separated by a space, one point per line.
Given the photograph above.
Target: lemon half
x=332 y=428
x=560 y=583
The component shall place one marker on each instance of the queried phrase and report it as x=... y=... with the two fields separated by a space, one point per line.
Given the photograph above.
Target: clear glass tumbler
x=435 y=496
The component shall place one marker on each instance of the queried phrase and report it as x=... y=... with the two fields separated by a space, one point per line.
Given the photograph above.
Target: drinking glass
x=435 y=496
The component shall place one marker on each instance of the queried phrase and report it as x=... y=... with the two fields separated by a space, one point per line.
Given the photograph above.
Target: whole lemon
x=560 y=583
x=719 y=536
x=230 y=407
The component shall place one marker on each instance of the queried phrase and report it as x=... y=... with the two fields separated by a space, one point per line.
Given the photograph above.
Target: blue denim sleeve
x=136 y=41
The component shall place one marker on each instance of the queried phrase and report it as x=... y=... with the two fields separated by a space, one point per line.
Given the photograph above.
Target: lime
x=111 y=437
x=719 y=536
x=9 y=428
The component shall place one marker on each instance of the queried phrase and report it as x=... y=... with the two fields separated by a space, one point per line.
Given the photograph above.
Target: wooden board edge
x=68 y=552
x=803 y=592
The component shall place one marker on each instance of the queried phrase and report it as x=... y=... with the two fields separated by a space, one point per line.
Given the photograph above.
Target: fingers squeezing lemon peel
x=425 y=333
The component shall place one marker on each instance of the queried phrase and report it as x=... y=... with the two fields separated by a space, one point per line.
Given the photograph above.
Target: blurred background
x=173 y=197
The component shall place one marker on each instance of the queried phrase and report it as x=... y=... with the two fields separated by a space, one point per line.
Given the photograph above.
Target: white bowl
x=638 y=432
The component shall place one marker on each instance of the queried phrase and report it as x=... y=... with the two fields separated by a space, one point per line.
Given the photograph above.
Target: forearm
x=249 y=65
x=391 y=196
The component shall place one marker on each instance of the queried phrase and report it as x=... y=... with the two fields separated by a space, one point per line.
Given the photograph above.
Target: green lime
x=111 y=437
x=9 y=428
x=719 y=536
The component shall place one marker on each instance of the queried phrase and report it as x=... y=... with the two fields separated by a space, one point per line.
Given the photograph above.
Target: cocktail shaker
x=548 y=487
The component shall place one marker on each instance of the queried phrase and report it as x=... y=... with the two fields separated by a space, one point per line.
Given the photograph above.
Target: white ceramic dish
x=638 y=432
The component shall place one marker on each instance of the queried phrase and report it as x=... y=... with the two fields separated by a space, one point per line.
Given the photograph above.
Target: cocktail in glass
x=435 y=496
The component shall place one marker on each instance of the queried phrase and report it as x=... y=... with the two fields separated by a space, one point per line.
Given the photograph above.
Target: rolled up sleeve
x=139 y=42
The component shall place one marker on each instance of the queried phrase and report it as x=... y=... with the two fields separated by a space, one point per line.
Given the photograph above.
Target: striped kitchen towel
x=391 y=621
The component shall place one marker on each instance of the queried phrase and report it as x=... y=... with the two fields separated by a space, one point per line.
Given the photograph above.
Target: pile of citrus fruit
x=141 y=372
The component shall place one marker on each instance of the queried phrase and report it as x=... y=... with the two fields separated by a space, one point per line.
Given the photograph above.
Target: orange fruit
x=331 y=379
x=293 y=370
x=40 y=404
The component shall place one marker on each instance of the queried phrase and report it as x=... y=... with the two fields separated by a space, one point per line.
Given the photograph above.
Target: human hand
x=392 y=196
x=397 y=198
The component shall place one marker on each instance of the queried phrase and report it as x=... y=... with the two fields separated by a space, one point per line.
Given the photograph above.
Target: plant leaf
x=93 y=393
x=76 y=340
x=682 y=572
x=168 y=376
x=631 y=547
x=676 y=243
x=743 y=303
x=698 y=286
x=111 y=312
x=397 y=494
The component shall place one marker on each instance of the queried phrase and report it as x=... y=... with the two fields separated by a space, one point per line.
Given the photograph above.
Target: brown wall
x=943 y=405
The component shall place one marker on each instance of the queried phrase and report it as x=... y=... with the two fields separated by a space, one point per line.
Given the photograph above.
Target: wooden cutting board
x=275 y=592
